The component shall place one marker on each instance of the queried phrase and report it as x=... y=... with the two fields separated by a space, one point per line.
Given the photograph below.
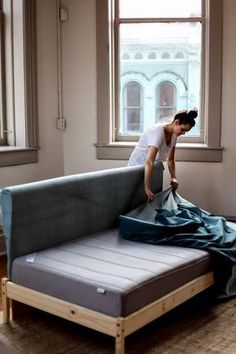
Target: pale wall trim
x=199 y=153
x=12 y=156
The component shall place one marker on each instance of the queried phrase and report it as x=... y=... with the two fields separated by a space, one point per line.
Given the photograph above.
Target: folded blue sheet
x=171 y=220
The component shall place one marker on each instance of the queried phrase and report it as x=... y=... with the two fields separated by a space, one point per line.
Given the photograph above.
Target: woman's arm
x=171 y=166
x=149 y=162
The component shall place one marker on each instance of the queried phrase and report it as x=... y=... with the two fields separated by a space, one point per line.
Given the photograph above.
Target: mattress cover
x=108 y=274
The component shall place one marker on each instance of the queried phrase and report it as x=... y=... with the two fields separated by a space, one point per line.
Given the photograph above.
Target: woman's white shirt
x=152 y=136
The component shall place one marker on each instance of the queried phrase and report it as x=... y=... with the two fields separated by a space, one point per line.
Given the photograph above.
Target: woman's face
x=181 y=129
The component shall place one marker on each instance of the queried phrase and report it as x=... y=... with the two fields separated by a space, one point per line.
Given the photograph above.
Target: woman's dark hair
x=187 y=117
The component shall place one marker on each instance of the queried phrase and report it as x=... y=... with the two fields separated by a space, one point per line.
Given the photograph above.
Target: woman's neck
x=168 y=132
x=169 y=129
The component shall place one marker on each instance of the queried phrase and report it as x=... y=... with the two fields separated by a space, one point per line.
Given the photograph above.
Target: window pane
x=169 y=81
x=133 y=95
x=131 y=118
x=159 y=8
x=166 y=101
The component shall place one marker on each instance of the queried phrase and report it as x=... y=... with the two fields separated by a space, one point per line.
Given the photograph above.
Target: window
x=194 y=28
x=18 y=88
x=125 y=56
x=179 y=55
x=166 y=101
x=152 y=55
x=165 y=55
x=138 y=56
x=132 y=109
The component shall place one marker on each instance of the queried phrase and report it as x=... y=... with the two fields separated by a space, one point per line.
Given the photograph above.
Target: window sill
x=184 y=152
x=12 y=156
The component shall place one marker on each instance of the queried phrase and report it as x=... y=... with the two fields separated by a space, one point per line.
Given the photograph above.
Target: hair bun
x=193 y=113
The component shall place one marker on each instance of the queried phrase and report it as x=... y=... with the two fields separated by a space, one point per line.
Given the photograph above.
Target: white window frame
x=20 y=81
x=107 y=147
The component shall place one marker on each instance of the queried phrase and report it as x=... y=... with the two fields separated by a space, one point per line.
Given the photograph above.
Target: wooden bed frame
x=117 y=327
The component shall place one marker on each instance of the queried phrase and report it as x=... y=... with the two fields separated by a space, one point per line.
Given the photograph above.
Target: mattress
x=108 y=274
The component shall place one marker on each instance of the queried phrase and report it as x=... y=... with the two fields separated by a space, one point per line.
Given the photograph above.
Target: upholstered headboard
x=44 y=214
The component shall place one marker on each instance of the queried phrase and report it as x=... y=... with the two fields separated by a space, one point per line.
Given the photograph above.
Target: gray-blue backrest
x=43 y=214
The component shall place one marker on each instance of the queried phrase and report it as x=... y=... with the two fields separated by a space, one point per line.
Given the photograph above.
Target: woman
x=158 y=143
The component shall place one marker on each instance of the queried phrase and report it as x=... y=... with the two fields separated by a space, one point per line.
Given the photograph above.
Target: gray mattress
x=108 y=274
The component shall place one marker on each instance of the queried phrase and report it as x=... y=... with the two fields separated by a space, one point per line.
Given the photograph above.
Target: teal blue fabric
x=171 y=220
x=47 y=213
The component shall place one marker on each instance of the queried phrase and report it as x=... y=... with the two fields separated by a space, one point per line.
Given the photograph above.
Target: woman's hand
x=149 y=195
x=174 y=183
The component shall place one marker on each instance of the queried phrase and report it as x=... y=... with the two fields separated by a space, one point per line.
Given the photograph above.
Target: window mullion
x=157 y=19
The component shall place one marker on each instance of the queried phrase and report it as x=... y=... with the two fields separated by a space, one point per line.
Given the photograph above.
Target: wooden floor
x=3 y=273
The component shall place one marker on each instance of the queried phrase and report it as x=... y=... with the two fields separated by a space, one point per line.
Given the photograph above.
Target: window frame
x=106 y=146
x=20 y=79
x=2 y=84
x=165 y=56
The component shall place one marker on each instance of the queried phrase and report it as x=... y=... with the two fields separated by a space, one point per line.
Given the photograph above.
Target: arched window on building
x=165 y=55
x=138 y=56
x=152 y=55
x=132 y=107
x=165 y=100
x=125 y=56
x=179 y=55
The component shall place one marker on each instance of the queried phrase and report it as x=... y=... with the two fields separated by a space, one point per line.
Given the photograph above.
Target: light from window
x=159 y=8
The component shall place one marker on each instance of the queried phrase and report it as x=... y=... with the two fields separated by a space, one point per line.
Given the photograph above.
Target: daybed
x=65 y=255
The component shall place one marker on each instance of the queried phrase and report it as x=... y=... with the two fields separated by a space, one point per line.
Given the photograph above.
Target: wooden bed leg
x=5 y=301
x=120 y=338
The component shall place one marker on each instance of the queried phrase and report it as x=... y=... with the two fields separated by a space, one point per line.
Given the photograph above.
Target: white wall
x=79 y=87
x=51 y=153
x=210 y=185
